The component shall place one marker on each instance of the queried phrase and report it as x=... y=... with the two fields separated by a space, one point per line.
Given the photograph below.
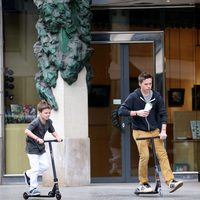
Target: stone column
x=72 y=156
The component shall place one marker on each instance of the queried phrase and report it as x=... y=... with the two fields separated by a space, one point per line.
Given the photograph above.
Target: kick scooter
x=55 y=190
x=157 y=189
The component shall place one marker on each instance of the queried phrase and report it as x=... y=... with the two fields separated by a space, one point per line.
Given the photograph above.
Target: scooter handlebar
x=146 y=138
x=52 y=140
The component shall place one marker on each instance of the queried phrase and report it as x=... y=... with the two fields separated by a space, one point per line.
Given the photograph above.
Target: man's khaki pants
x=143 y=148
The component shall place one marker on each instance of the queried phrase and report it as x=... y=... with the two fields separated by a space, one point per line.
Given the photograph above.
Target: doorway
x=117 y=61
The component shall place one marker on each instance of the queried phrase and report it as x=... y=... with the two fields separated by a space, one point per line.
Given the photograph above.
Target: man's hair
x=143 y=76
x=43 y=105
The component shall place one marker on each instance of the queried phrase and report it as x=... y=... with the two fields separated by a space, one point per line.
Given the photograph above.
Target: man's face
x=45 y=114
x=146 y=85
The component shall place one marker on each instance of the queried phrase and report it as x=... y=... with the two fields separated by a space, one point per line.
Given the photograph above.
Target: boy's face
x=45 y=114
x=146 y=85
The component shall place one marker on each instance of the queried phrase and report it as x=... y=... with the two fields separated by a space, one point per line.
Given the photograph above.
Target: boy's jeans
x=39 y=164
x=143 y=148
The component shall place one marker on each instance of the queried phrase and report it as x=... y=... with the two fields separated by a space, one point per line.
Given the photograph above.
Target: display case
x=17 y=160
x=186 y=143
x=17 y=118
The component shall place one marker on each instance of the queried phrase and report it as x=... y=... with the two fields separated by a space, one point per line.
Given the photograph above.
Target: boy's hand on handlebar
x=40 y=141
x=59 y=139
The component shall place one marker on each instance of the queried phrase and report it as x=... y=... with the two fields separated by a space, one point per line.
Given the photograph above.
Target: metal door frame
x=125 y=38
x=155 y=37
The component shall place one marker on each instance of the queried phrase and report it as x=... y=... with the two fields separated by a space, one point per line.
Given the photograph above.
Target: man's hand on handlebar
x=163 y=135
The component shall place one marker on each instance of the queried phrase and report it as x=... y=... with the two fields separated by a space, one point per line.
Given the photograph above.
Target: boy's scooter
x=157 y=189
x=55 y=190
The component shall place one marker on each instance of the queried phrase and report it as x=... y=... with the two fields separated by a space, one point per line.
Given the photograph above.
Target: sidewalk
x=105 y=191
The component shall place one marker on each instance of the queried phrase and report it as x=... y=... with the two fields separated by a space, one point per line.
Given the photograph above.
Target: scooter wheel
x=58 y=196
x=25 y=195
x=51 y=194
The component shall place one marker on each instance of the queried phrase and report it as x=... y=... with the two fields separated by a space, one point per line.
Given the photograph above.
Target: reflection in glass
x=140 y=59
x=104 y=132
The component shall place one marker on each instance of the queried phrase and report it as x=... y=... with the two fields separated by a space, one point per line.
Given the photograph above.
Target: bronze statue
x=63 y=43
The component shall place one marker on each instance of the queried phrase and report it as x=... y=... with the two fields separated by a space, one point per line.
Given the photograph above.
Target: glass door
x=117 y=61
x=137 y=57
x=104 y=127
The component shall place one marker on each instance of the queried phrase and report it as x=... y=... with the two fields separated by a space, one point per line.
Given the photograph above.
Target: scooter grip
x=53 y=140
x=146 y=138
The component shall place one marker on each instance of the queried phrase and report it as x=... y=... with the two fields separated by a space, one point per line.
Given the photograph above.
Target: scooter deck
x=40 y=195
x=26 y=196
x=156 y=191
x=153 y=192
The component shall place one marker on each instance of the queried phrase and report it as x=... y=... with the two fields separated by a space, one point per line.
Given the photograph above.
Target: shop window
x=20 y=66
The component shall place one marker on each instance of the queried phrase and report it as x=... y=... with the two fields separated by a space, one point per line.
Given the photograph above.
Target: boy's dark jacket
x=135 y=101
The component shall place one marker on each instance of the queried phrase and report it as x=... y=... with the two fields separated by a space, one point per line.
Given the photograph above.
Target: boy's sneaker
x=26 y=178
x=174 y=185
x=145 y=187
x=34 y=192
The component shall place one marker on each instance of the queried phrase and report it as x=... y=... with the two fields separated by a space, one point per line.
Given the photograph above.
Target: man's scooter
x=55 y=190
x=157 y=189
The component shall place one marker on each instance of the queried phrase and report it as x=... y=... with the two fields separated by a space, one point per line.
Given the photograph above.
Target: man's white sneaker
x=174 y=185
x=145 y=187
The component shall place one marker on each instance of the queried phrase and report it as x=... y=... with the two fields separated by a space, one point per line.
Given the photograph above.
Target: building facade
x=126 y=41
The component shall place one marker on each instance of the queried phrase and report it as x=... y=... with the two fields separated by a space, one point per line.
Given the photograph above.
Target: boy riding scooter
x=35 y=146
x=146 y=106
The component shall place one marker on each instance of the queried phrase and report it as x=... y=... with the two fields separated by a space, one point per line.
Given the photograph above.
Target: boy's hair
x=143 y=76
x=43 y=105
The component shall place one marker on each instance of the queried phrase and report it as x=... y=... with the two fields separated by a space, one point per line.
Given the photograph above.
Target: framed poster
x=196 y=97
x=176 y=97
x=99 y=96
